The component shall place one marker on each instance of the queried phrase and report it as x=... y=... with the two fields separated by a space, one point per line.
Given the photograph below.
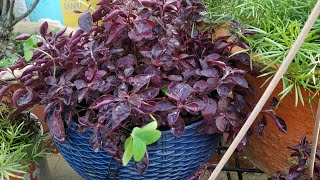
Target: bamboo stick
x=283 y=68
x=314 y=143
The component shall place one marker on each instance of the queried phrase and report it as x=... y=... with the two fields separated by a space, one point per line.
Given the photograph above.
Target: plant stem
x=4 y=8
x=283 y=68
x=10 y=14
x=314 y=143
x=34 y=4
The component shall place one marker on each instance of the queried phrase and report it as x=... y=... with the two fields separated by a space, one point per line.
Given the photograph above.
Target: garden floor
x=60 y=170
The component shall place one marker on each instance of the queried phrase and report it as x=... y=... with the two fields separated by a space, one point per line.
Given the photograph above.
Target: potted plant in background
x=275 y=30
x=137 y=73
x=20 y=147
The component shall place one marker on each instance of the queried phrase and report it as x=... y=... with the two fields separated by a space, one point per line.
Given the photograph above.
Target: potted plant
x=20 y=147
x=137 y=73
x=276 y=30
x=301 y=157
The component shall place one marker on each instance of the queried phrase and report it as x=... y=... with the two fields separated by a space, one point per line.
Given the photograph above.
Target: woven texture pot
x=170 y=158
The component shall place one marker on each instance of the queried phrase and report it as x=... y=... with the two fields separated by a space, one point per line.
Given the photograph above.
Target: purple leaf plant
x=130 y=59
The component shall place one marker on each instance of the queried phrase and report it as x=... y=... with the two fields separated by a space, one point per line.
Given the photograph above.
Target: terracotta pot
x=33 y=173
x=269 y=153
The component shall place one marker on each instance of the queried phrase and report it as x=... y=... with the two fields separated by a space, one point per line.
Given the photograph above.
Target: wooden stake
x=314 y=143
x=283 y=68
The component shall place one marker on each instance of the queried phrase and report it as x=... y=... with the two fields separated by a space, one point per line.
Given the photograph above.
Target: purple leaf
x=178 y=127
x=280 y=123
x=157 y=75
x=235 y=24
x=224 y=89
x=213 y=82
x=22 y=97
x=157 y=50
x=175 y=78
x=210 y=109
x=261 y=124
x=80 y=84
x=135 y=36
x=60 y=33
x=23 y=37
x=195 y=105
x=61 y=44
x=201 y=86
x=149 y=93
x=164 y=105
x=274 y=102
x=139 y=81
x=173 y=117
x=223 y=104
x=103 y=100
x=243 y=58
x=181 y=91
x=85 y=21
x=239 y=80
x=212 y=57
x=135 y=99
x=240 y=102
x=112 y=15
x=95 y=142
x=44 y=29
x=55 y=122
x=142 y=166
x=221 y=123
x=146 y=109
x=208 y=129
x=77 y=34
x=143 y=28
x=210 y=73
x=217 y=63
x=120 y=112
x=51 y=80
x=89 y=74
x=126 y=61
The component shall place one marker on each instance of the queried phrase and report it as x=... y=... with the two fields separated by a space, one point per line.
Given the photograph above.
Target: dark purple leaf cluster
x=131 y=59
x=281 y=124
x=298 y=171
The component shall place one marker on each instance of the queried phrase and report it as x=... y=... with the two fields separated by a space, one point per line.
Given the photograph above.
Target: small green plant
x=278 y=23
x=136 y=144
x=20 y=144
x=28 y=47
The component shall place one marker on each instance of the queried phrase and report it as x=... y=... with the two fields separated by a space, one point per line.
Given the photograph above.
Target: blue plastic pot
x=170 y=158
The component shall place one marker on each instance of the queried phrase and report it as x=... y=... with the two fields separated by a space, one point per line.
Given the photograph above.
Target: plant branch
x=314 y=143
x=278 y=76
x=4 y=8
x=35 y=3
x=10 y=13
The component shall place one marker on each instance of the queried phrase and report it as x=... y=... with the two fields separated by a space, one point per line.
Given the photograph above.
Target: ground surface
x=60 y=170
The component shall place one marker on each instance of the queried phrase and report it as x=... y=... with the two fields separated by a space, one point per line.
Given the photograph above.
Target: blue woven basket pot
x=170 y=157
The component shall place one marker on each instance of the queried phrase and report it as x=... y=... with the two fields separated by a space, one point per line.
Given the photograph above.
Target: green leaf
x=164 y=90
x=135 y=130
x=151 y=126
x=28 y=55
x=127 y=142
x=30 y=43
x=149 y=136
x=139 y=149
x=128 y=153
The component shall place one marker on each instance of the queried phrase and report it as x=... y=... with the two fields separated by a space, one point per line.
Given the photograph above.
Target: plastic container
x=60 y=11
x=170 y=158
